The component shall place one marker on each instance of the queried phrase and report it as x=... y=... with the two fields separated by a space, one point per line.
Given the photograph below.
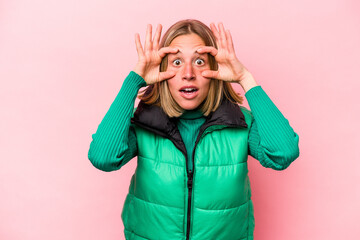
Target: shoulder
x=245 y=111
x=247 y=114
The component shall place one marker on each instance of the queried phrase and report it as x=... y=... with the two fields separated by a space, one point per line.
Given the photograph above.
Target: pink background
x=63 y=62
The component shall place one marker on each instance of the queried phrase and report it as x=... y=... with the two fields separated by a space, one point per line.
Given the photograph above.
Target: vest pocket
x=225 y=224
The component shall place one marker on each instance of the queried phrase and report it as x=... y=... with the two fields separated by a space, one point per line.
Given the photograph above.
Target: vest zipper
x=190 y=183
x=190 y=180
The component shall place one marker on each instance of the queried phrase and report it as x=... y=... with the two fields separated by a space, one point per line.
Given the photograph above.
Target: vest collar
x=154 y=119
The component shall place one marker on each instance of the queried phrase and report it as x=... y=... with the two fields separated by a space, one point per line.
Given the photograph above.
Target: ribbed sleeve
x=114 y=143
x=272 y=140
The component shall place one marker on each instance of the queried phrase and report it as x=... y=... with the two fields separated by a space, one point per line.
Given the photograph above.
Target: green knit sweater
x=189 y=124
x=114 y=143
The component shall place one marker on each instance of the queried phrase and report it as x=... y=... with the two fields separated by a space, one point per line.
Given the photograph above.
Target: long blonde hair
x=159 y=93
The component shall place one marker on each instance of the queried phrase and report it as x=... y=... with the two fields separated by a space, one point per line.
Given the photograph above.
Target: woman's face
x=188 y=87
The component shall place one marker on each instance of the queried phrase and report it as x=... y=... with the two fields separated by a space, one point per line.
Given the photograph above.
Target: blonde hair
x=159 y=93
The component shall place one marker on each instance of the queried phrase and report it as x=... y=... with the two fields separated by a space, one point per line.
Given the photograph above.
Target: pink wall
x=63 y=62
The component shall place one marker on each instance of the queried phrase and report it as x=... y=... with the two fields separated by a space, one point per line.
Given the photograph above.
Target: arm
x=272 y=141
x=114 y=143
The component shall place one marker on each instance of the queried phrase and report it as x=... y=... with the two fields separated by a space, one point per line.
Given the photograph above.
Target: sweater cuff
x=262 y=107
x=259 y=101
x=134 y=80
x=254 y=92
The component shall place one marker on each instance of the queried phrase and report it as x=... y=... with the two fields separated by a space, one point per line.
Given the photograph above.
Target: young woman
x=191 y=136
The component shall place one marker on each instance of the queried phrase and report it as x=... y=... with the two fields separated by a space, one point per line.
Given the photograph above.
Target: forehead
x=187 y=41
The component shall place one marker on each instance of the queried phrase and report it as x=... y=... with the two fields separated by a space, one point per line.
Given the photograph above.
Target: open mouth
x=189 y=90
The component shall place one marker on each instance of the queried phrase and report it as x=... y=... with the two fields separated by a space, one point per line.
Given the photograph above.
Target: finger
x=222 y=35
x=208 y=49
x=139 y=48
x=148 y=43
x=166 y=50
x=157 y=37
x=215 y=32
x=210 y=74
x=230 y=43
x=166 y=75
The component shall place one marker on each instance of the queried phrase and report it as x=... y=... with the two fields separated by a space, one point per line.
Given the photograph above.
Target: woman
x=191 y=136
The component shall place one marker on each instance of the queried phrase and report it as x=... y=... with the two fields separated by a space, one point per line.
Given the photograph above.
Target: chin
x=189 y=106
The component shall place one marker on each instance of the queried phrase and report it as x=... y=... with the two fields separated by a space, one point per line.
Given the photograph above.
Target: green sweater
x=114 y=143
x=189 y=124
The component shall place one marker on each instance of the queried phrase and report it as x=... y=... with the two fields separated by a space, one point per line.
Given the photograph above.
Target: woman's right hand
x=150 y=57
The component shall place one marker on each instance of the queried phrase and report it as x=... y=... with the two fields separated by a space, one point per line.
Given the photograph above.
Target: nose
x=188 y=72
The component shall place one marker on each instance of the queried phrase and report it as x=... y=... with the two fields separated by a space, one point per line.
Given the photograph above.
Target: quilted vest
x=167 y=202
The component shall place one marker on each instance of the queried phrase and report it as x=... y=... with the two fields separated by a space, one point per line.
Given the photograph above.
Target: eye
x=199 y=61
x=177 y=62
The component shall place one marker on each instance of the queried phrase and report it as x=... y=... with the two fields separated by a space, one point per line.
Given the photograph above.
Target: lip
x=191 y=95
x=188 y=86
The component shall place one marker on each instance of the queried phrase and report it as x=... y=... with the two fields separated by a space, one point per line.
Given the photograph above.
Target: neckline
x=191 y=114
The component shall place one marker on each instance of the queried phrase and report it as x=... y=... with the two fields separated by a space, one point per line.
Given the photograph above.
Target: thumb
x=166 y=75
x=210 y=74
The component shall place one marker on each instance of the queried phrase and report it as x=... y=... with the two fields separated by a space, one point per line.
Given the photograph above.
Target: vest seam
x=151 y=159
x=155 y=203
x=224 y=209
x=220 y=165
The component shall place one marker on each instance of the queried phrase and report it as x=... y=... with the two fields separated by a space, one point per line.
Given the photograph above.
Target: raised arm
x=114 y=143
x=271 y=139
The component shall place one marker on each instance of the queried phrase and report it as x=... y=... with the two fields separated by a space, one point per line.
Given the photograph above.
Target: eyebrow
x=181 y=53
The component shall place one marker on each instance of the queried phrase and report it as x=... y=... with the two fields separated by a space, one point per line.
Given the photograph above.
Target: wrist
x=248 y=82
x=138 y=70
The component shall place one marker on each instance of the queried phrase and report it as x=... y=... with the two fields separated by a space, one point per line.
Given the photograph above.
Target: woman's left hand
x=229 y=67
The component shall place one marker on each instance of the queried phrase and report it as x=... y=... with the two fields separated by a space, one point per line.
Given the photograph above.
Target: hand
x=150 y=57
x=229 y=67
